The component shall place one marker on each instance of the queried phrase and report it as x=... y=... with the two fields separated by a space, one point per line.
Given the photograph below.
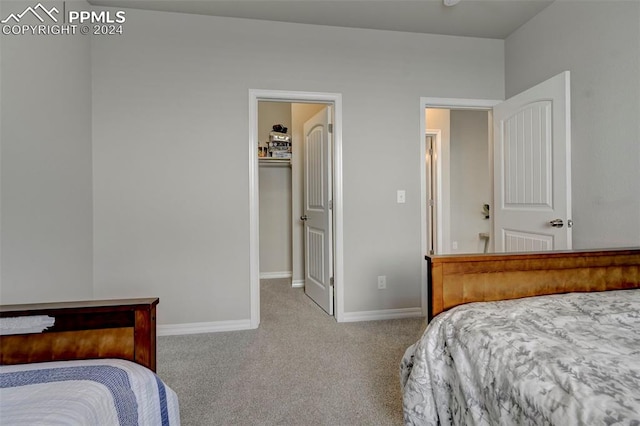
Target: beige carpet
x=299 y=367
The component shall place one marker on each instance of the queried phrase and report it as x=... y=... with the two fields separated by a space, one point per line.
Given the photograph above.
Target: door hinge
x=430 y=152
x=431 y=203
x=330 y=204
x=330 y=127
x=331 y=281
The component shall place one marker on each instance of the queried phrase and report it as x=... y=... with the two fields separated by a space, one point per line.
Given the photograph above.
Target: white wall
x=275 y=221
x=275 y=196
x=470 y=178
x=45 y=168
x=172 y=192
x=599 y=42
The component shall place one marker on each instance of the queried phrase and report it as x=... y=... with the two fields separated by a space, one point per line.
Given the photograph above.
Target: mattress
x=87 y=392
x=550 y=360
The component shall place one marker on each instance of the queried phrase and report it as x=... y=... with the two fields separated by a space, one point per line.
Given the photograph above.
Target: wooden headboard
x=454 y=280
x=92 y=329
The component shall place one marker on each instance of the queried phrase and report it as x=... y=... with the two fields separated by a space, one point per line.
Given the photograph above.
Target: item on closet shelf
x=277 y=150
x=279 y=128
x=279 y=144
x=279 y=137
x=281 y=154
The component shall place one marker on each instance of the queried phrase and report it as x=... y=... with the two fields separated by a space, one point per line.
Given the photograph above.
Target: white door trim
x=437 y=134
x=437 y=137
x=448 y=103
x=256 y=95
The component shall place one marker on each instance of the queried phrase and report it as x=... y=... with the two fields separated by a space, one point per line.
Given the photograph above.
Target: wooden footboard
x=123 y=329
x=454 y=280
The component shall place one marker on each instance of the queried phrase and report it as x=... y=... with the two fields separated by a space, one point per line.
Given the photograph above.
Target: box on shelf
x=279 y=137
x=281 y=154
x=279 y=145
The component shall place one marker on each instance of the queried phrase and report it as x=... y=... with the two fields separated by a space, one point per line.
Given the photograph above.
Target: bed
x=528 y=339
x=79 y=363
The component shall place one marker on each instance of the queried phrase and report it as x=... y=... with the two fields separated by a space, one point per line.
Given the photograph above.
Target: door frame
x=445 y=103
x=436 y=134
x=335 y=99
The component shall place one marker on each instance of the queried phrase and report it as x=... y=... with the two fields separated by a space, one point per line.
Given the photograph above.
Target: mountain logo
x=34 y=11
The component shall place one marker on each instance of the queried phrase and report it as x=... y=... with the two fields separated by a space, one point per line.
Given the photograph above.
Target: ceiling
x=471 y=18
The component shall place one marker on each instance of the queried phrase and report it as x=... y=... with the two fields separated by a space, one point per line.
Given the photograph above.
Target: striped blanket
x=97 y=392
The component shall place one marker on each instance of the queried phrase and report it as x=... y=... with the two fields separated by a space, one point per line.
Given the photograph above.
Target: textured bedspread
x=569 y=359
x=92 y=392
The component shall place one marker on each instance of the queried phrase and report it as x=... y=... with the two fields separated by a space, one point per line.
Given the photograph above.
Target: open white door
x=532 y=169
x=318 y=223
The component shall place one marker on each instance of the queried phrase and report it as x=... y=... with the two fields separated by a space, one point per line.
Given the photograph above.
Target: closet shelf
x=274 y=162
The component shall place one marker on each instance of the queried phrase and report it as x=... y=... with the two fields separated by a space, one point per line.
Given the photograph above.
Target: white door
x=317 y=217
x=532 y=169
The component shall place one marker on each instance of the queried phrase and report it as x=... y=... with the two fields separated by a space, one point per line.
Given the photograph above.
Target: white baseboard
x=203 y=327
x=273 y=275
x=384 y=314
x=220 y=326
x=297 y=283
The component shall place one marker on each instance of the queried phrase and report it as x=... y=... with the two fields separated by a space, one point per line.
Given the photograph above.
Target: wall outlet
x=382 y=282
x=401 y=196
x=454 y=245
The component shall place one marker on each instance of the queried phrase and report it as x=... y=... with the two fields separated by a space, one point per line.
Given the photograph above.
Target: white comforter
x=89 y=392
x=569 y=359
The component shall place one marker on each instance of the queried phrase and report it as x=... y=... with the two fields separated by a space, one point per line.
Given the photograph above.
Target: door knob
x=557 y=223
x=303 y=217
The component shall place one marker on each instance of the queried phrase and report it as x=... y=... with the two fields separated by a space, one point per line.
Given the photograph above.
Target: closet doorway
x=296 y=211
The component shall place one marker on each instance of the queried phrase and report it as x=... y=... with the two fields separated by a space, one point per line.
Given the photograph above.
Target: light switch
x=382 y=282
x=401 y=196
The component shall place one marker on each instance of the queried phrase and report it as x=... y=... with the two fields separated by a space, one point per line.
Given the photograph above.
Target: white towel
x=25 y=325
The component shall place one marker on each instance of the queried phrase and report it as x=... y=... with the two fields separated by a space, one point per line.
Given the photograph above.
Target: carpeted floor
x=299 y=367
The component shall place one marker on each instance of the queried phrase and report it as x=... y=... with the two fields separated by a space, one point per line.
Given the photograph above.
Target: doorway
x=439 y=130
x=306 y=98
x=458 y=180
x=529 y=164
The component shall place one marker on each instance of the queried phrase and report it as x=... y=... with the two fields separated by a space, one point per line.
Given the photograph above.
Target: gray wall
x=171 y=190
x=599 y=42
x=45 y=168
